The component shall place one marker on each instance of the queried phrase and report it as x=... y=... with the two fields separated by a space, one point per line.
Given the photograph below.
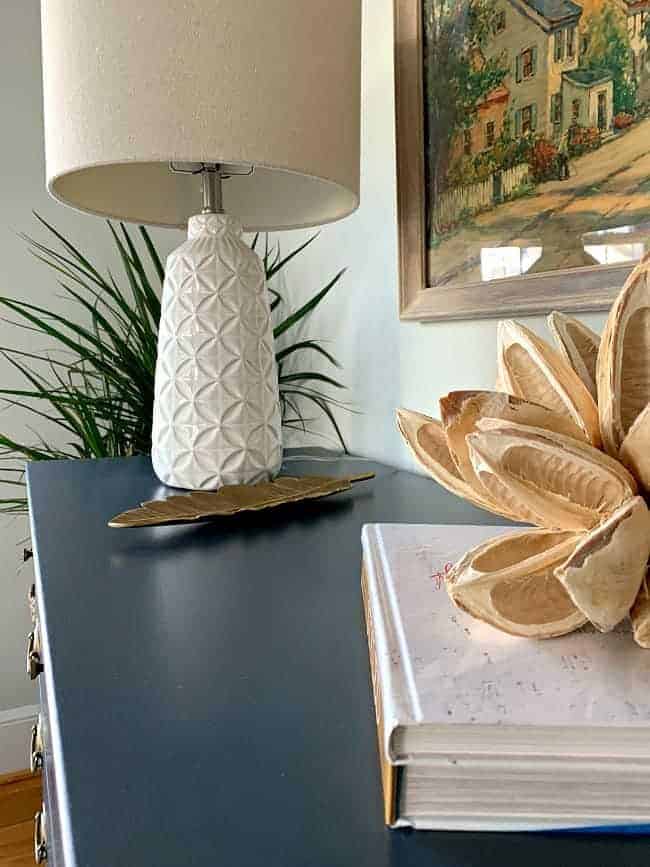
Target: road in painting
x=537 y=122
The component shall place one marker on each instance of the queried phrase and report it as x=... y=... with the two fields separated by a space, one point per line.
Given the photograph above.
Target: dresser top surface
x=209 y=685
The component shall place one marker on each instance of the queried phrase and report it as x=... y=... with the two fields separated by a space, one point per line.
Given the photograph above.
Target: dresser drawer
x=40 y=748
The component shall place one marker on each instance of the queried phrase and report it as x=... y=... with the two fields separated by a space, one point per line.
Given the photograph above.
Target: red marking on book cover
x=440 y=577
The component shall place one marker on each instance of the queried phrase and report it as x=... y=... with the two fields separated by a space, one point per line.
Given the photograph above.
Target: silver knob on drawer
x=36 y=748
x=31 y=599
x=34 y=664
x=40 y=837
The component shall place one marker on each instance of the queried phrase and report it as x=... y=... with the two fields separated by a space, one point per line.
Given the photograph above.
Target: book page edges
x=389 y=772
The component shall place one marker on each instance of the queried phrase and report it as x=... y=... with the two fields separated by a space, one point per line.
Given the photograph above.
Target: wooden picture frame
x=586 y=288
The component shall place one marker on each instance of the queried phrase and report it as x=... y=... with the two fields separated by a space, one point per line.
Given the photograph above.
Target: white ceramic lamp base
x=216 y=418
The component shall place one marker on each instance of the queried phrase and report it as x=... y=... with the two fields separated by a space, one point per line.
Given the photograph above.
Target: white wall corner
x=15 y=729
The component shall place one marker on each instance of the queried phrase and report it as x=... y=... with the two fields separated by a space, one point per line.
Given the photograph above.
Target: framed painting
x=523 y=158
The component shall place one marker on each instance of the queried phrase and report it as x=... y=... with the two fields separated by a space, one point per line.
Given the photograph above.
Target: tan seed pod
x=501 y=489
x=509 y=582
x=640 y=617
x=578 y=345
x=623 y=371
x=565 y=484
x=426 y=439
x=635 y=451
x=499 y=384
x=530 y=368
x=461 y=411
x=510 y=503
x=604 y=573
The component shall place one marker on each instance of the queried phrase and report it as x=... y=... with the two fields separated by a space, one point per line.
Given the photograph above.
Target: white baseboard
x=15 y=729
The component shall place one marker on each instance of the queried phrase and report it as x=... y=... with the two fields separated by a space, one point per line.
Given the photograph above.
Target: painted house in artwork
x=543 y=36
x=488 y=124
x=545 y=91
x=587 y=97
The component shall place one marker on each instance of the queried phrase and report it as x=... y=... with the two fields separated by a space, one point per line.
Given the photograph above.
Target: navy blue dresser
x=205 y=689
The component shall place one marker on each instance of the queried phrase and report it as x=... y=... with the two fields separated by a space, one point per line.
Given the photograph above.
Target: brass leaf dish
x=563 y=443
x=233 y=499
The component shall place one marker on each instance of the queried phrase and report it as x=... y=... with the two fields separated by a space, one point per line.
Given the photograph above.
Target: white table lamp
x=253 y=106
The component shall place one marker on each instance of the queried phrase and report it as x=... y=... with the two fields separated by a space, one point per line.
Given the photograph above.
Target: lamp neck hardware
x=212 y=189
x=212 y=177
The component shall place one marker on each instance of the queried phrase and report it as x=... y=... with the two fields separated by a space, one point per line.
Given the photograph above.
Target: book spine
x=389 y=772
x=395 y=670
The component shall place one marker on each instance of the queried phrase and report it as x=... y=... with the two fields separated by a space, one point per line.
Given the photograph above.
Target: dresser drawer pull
x=31 y=599
x=34 y=664
x=40 y=838
x=36 y=749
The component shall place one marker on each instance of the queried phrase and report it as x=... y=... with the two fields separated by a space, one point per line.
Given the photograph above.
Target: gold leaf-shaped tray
x=231 y=499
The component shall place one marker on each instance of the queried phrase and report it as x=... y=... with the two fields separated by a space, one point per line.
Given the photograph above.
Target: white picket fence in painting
x=467 y=200
x=473 y=198
x=512 y=178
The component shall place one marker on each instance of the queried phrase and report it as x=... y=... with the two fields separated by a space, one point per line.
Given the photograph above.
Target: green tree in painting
x=607 y=47
x=457 y=75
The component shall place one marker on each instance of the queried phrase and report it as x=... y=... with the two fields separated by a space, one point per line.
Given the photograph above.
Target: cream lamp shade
x=267 y=85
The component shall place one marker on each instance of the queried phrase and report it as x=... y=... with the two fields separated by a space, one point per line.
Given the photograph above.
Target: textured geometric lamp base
x=216 y=417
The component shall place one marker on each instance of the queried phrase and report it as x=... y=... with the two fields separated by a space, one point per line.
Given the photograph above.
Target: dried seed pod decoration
x=640 y=617
x=623 y=370
x=604 y=573
x=530 y=368
x=564 y=483
x=533 y=452
x=635 y=451
x=426 y=439
x=509 y=582
x=578 y=345
x=461 y=411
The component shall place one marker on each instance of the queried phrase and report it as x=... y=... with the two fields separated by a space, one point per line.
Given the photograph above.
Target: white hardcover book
x=482 y=730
